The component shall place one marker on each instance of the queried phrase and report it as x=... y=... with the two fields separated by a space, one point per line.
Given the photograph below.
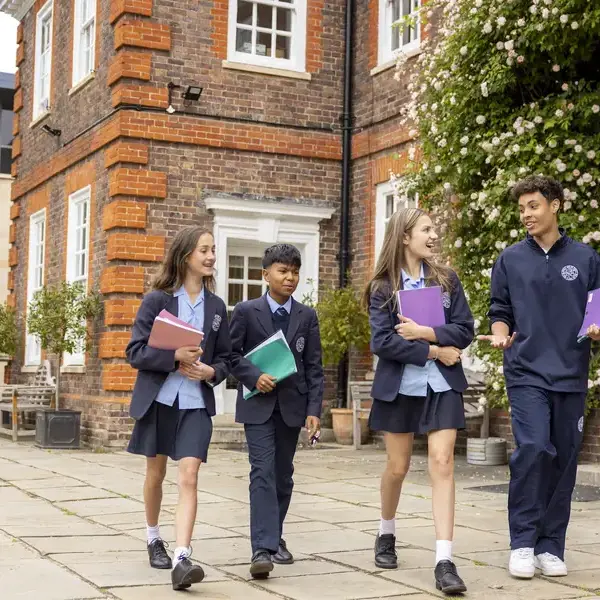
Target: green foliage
x=9 y=332
x=58 y=316
x=343 y=322
x=505 y=89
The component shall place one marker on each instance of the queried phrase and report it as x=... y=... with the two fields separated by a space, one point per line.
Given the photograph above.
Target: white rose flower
x=514 y=233
x=500 y=370
x=509 y=45
x=438 y=169
x=474 y=196
x=484 y=90
x=521 y=22
x=581 y=218
x=552 y=144
x=464 y=140
x=464 y=50
x=480 y=119
x=477 y=241
x=591 y=155
x=578 y=148
x=464 y=151
x=567 y=205
x=495 y=141
x=564 y=19
x=520 y=130
x=559 y=113
x=596 y=236
x=496 y=386
x=501 y=21
x=539 y=149
x=500 y=45
x=576 y=172
x=487 y=28
x=533 y=9
x=537 y=119
x=594 y=203
x=516 y=148
x=564 y=87
x=507 y=152
x=545 y=13
x=574 y=25
x=458 y=243
x=556 y=68
x=595 y=108
x=587 y=177
x=442 y=143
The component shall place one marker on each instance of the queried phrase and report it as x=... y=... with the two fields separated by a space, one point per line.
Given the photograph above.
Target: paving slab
x=300 y=568
x=83 y=544
x=350 y=586
x=106 y=506
x=62 y=526
x=202 y=531
x=226 y=590
x=40 y=578
x=53 y=481
x=72 y=493
x=314 y=542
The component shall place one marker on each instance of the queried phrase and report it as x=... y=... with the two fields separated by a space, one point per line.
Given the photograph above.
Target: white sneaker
x=550 y=565
x=521 y=564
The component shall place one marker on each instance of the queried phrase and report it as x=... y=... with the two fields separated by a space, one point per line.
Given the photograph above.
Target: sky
x=8 y=43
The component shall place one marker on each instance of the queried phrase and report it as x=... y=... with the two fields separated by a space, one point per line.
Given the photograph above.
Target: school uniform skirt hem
x=169 y=431
x=418 y=414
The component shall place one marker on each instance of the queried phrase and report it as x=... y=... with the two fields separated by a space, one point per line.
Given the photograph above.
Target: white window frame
x=297 y=60
x=81 y=23
x=35 y=278
x=384 y=194
x=386 y=27
x=247 y=253
x=76 y=249
x=43 y=58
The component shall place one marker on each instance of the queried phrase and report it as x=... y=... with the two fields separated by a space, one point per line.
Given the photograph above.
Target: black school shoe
x=385 y=551
x=283 y=556
x=447 y=579
x=262 y=564
x=159 y=559
x=185 y=574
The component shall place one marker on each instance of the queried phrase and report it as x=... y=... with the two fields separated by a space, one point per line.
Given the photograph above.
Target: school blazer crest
x=154 y=365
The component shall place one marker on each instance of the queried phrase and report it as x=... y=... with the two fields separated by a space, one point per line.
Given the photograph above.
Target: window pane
x=235 y=293
x=236 y=267
x=254 y=291
x=264 y=16
x=243 y=42
x=395 y=37
x=389 y=206
x=84 y=213
x=395 y=10
x=263 y=44
x=282 y=49
x=406 y=7
x=284 y=19
x=254 y=269
x=244 y=13
x=83 y=240
x=407 y=35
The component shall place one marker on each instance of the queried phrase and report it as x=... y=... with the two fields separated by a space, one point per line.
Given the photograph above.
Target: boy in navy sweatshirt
x=538 y=296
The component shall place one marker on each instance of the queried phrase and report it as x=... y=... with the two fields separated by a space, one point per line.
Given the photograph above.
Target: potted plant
x=58 y=315
x=344 y=324
x=9 y=334
x=486 y=450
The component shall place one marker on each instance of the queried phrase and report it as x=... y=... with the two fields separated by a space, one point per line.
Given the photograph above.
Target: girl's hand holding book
x=593 y=332
x=409 y=330
x=198 y=371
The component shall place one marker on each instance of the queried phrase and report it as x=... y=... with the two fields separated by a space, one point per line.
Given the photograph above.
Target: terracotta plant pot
x=342 y=426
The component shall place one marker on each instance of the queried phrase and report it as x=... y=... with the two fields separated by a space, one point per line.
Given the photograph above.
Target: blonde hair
x=174 y=267
x=391 y=261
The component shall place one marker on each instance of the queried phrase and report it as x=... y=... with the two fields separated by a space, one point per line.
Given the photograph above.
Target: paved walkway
x=72 y=527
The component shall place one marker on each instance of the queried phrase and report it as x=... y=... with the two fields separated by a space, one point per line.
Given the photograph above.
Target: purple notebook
x=424 y=306
x=592 y=314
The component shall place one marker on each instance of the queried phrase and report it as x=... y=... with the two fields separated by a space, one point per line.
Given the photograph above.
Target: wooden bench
x=360 y=391
x=17 y=400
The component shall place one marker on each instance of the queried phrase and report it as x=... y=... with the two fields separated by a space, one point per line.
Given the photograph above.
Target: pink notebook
x=170 y=333
x=424 y=306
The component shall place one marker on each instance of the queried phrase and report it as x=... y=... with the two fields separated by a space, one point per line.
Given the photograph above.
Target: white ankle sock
x=443 y=550
x=387 y=527
x=180 y=553
x=153 y=533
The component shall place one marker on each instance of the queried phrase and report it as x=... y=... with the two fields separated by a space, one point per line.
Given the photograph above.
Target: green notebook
x=274 y=357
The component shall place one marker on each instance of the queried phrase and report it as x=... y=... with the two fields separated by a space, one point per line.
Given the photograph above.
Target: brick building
x=110 y=158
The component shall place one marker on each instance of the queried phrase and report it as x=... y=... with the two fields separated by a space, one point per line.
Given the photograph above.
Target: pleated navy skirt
x=172 y=432
x=417 y=414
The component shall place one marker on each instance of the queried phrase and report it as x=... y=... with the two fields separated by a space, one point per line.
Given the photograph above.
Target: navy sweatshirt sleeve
x=460 y=329
x=385 y=342
x=139 y=354
x=594 y=272
x=500 y=305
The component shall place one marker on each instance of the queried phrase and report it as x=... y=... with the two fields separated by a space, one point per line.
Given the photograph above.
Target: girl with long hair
x=418 y=382
x=173 y=399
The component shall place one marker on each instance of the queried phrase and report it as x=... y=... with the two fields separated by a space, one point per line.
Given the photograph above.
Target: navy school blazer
x=154 y=365
x=394 y=351
x=301 y=394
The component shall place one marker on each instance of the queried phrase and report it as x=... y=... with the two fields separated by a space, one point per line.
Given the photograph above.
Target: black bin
x=59 y=429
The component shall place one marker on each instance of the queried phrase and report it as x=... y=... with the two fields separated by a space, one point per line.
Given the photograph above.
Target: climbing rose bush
x=503 y=89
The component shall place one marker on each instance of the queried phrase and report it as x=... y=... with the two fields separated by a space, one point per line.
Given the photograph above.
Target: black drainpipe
x=344 y=252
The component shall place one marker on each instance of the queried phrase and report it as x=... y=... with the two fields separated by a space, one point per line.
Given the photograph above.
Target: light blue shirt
x=189 y=391
x=274 y=306
x=415 y=379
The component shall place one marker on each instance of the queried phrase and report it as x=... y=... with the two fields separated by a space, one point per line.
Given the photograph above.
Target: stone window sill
x=81 y=84
x=237 y=66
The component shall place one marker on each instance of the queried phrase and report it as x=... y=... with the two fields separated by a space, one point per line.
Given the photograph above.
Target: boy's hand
x=188 y=355
x=265 y=383
x=593 y=332
x=408 y=329
x=313 y=424
x=498 y=341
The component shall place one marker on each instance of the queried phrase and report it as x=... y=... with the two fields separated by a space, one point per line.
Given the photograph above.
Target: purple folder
x=592 y=314
x=424 y=306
